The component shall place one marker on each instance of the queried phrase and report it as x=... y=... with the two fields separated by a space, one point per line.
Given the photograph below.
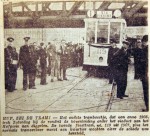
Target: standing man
x=11 y=65
x=32 y=65
x=137 y=56
x=121 y=61
x=144 y=70
x=52 y=58
x=43 y=63
x=24 y=62
x=64 y=60
x=110 y=60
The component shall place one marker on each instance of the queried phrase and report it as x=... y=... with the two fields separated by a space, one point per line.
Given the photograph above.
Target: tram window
x=102 y=32
x=115 y=28
x=90 y=32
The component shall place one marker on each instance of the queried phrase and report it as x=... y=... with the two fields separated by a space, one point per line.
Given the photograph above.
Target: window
x=115 y=28
x=102 y=32
x=90 y=34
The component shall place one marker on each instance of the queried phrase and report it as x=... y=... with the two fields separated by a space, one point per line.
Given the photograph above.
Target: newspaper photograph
x=74 y=67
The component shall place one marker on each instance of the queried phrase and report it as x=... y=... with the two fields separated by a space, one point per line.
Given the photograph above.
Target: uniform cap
x=125 y=42
x=145 y=38
x=26 y=38
x=10 y=39
x=42 y=43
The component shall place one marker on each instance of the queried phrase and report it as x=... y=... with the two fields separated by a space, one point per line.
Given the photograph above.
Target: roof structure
x=70 y=13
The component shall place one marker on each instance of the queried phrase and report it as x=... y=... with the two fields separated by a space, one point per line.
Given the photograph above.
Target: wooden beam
x=104 y=5
x=136 y=8
x=137 y=15
x=74 y=8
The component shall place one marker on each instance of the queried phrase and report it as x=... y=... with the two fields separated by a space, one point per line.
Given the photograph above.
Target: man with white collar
x=11 y=65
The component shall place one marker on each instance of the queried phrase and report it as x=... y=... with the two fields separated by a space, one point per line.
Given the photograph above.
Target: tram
x=98 y=34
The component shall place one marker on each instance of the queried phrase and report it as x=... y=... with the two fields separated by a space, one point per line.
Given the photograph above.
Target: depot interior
x=45 y=20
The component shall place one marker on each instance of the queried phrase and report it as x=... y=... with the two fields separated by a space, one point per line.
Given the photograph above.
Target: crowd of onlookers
x=51 y=59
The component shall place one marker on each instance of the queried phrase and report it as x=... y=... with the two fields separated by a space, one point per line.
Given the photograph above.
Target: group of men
x=54 y=56
x=118 y=60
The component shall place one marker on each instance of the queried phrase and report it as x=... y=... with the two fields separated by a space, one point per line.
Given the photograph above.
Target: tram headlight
x=117 y=13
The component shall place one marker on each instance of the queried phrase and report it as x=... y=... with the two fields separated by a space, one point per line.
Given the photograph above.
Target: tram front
x=98 y=34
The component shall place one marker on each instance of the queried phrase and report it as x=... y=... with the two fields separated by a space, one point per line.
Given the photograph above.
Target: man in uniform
x=43 y=63
x=121 y=61
x=64 y=60
x=110 y=60
x=11 y=65
x=137 y=56
x=25 y=63
x=144 y=70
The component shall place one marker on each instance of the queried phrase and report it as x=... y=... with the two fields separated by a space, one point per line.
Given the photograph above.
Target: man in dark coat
x=137 y=56
x=32 y=65
x=11 y=65
x=144 y=70
x=110 y=60
x=121 y=59
x=64 y=60
x=43 y=63
x=26 y=63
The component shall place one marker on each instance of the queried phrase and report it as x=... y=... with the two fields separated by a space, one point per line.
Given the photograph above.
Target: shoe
x=125 y=96
x=24 y=89
x=60 y=79
x=33 y=87
x=110 y=82
x=52 y=80
x=10 y=90
x=120 y=97
x=144 y=110
x=65 y=78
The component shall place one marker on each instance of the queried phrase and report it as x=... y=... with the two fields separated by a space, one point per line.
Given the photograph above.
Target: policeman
x=110 y=60
x=137 y=56
x=121 y=61
x=144 y=70
x=24 y=62
x=64 y=60
x=43 y=63
x=11 y=65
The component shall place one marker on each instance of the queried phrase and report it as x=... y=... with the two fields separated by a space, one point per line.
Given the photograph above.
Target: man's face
x=63 y=43
x=125 y=45
x=11 y=44
x=113 y=45
x=145 y=44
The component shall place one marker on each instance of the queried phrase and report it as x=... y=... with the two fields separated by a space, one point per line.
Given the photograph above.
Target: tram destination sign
x=104 y=14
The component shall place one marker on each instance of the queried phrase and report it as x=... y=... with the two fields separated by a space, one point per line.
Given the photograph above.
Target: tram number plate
x=101 y=51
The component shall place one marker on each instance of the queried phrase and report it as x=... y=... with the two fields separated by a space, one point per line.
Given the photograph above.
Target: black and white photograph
x=76 y=56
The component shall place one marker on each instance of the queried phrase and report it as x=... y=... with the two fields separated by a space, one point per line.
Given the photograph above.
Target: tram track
x=108 y=105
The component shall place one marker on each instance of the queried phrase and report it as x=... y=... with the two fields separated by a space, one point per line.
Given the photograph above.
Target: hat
x=113 y=41
x=42 y=43
x=125 y=42
x=10 y=39
x=145 y=38
x=26 y=38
